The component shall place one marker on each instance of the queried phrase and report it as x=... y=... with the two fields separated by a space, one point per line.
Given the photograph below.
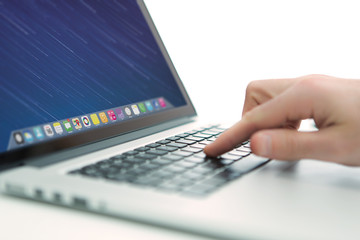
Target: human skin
x=273 y=110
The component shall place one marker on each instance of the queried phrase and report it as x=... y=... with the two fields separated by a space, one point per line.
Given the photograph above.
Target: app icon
x=120 y=113
x=112 y=115
x=48 y=130
x=38 y=133
x=128 y=111
x=162 y=102
x=58 y=128
x=28 y=136
x=18 y=137
x=103 y=117
x=86 y=121
x=95 y=119
x=156 y=104
x=135 y=109
x=149 y=106
x=142 y=107
x=76 y=123
x=67 y=125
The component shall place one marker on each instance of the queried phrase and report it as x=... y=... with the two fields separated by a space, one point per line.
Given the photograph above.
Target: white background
x=217 y=47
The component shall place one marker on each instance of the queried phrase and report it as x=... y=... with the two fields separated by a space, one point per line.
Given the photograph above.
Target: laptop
x=94 y=117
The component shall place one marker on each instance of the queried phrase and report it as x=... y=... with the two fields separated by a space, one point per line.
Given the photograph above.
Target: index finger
x=291 y=105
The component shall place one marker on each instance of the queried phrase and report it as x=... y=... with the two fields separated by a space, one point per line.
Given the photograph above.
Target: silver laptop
x=94 y=117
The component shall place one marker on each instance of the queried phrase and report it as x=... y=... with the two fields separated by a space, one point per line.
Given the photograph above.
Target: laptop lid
x=78 y=72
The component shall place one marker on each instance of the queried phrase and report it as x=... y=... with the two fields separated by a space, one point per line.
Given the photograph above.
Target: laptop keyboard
x=177 y=164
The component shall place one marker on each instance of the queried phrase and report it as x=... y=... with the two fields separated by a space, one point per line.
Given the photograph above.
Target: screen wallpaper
x=60 y=59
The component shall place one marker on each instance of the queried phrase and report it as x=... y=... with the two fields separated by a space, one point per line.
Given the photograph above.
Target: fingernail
x=265 y=145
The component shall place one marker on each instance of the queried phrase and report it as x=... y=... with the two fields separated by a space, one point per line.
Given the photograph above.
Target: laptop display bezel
x=17 y=156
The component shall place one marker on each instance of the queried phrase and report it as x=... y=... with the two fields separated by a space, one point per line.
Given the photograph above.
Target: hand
x=274 y=109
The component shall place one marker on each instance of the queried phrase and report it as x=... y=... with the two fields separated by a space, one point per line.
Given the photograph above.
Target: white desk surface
x=217 y=48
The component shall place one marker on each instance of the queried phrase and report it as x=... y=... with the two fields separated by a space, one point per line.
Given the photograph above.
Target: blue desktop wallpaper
x=67 y=58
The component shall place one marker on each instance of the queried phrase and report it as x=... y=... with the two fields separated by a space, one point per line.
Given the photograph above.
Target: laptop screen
x=69 y=67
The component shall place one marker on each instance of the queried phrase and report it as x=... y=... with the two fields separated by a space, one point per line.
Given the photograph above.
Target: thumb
x=287 y=144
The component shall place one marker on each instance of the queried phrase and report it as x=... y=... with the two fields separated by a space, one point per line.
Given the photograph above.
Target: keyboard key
x=146 y=156
x=230 y=156
x=167 y=148
x=216 y=180
x=117 y=162
x=182 y=153
x=226 y=161
x=103 y=165
x=194 y=176
x=218 y=129
x=197 y=139
x=209 y=132
x=156 y=152
x=163 y=142
x=195 y=159
x=134 y=160
x=190 y=149
x=186 y=164
x=175 y=169
x=199 y=189
x=229 y=174
x=176 y=145
x=174 y=138
x=188 y=142
x=182 y=182
x=120 y=177
x=199 y=135
x=213 y=165
x=153 y=145
x=148 y=181
x=205 y=142
x=239 y=153
x=200 y=155
x=149 y=166
x=247 y=164
x=243 y=149
x=192 y=132
x=142 y=149
x=202 y=170
x=183 y=135
x=198 y=145
x=211 y=139
x=137 y=172
x=163 y=174
x=161 y=161
x=172 y=157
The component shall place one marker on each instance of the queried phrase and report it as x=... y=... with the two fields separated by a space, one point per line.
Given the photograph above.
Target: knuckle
x=253 y=87
x=315 y=76
x=312 y=83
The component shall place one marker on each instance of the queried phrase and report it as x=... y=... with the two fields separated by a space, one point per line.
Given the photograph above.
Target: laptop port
x=79 y=203
x=57 y=198
x=39 y=194
x=15 y=189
